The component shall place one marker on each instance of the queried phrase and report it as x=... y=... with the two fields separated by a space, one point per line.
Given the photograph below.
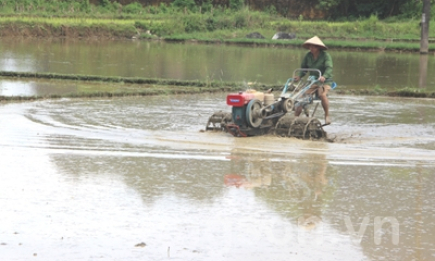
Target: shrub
x=207 y=6
x=411 y=9
x=163 y=8
x=223 y=22
x=257 y=19
x=133 y=8
x=141 y=25
x=210 y=23
x=370 y=24
x=194 y=23
x=107 y=6
x=236 y=4
x=166 y=28
x=240 y=20
x=285 y=27
x=271 y=9
x=185 y=4
x=85 y=6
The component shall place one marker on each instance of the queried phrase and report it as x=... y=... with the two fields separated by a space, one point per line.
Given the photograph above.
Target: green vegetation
x=343 y=10
x=185 y=20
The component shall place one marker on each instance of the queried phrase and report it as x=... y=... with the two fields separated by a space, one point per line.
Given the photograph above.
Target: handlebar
x=297 y=89
x=307 y=70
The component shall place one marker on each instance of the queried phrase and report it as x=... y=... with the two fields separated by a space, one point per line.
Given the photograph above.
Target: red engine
x=239 y=99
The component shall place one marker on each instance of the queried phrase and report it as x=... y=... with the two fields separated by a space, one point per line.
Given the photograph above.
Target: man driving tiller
x=317 y=58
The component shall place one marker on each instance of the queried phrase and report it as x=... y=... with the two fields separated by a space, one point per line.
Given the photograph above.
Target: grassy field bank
x=368 y=34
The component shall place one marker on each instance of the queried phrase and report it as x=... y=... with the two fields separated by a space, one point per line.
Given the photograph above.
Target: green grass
x=56 y=21
x=220 y=26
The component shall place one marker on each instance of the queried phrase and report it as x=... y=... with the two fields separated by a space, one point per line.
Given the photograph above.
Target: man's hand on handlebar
x=321 y=79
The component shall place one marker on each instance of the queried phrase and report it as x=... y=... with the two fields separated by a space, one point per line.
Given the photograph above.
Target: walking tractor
x=258 y=113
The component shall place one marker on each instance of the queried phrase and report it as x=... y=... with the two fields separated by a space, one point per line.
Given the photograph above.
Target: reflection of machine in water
x=256 y=174
x=295 y=188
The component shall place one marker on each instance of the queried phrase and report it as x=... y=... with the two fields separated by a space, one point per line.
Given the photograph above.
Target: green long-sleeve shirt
x=323 y=63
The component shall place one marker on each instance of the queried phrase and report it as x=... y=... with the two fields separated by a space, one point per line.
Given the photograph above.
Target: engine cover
x=239 y=116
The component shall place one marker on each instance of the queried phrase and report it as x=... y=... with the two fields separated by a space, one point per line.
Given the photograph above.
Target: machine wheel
x=313 y=130
x=254 y=113
x=287 y=105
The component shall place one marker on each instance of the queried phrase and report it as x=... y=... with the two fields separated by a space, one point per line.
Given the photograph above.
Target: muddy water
x=152 y=59
x=136 y=179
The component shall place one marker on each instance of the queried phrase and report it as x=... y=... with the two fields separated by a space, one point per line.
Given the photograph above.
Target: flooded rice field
x=136 y=179
x=208 y=62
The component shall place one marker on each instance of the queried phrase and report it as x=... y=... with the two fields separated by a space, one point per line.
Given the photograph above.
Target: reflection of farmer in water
x=306 y=179
x=305 y=182
x=292 y=188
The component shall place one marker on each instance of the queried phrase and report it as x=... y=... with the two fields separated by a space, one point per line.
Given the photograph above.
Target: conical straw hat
x=314 y=41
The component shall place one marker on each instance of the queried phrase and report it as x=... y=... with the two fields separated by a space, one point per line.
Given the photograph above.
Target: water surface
x=135 y=178
x=207 y=62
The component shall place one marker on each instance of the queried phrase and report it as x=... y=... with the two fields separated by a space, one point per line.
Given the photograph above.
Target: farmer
x=317 y=58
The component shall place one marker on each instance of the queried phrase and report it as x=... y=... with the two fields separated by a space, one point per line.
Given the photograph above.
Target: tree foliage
x=365 y=8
